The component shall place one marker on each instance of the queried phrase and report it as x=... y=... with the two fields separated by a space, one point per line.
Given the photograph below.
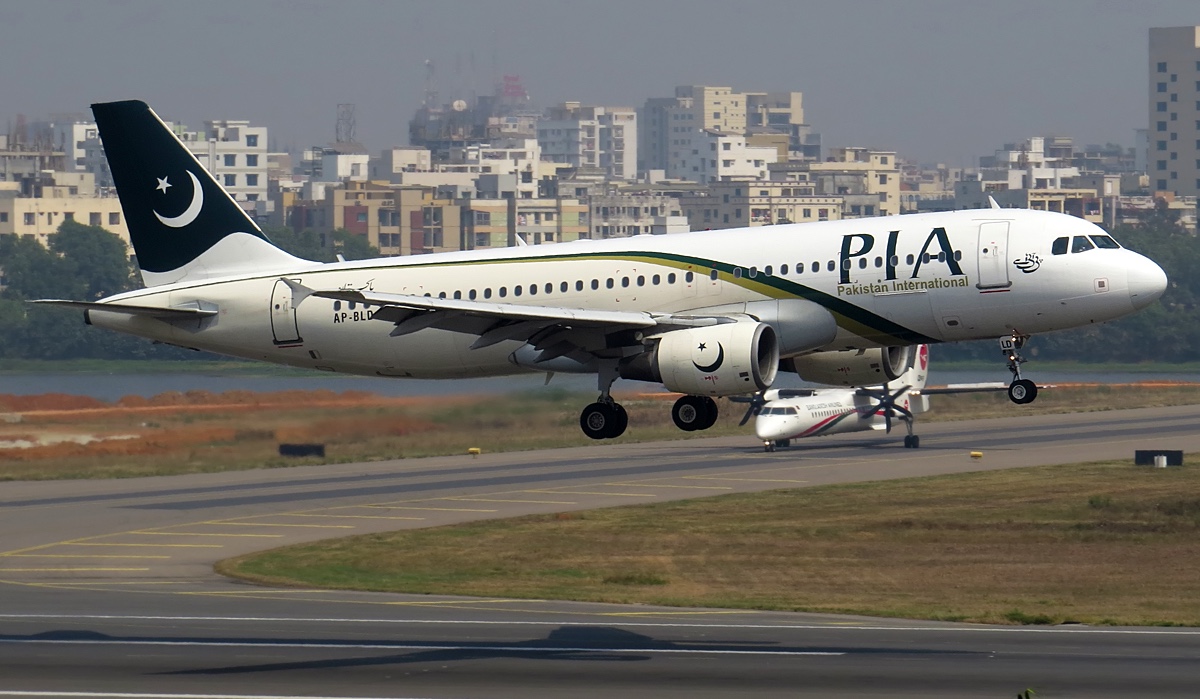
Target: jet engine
x=852 y=367
x=717 y=360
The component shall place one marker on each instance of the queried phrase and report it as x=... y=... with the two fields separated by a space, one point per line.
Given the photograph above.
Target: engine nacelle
x=870 y=367
x=717 y=360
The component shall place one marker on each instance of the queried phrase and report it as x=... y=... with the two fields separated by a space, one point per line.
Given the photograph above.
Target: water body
x=110 y=387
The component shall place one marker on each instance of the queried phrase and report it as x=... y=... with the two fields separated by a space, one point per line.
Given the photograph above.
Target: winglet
x=992 y=202
x=520 y=241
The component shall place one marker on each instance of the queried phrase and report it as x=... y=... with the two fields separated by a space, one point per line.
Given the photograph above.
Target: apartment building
x=717 y=156
x=867 y=181
x=763 y=203
x=61 y=196
x=1174 y=107
x=591 y=137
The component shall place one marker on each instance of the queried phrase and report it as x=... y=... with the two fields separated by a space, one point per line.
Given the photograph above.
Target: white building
x=504 y=156
x=596 y=137
x=716 y=156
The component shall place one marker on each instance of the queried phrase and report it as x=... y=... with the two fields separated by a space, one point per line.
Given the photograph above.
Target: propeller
x=886 y=404
x=758 y=400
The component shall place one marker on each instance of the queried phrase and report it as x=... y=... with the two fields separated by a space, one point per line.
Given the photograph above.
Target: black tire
x=916 y=442
x=783 y=443
x=689 y=412
x=598 y=420
x=1022 y=392
x=620 y=422
x=711 y=412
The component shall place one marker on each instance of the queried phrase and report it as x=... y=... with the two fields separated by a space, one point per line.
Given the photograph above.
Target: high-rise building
x=1174 y=136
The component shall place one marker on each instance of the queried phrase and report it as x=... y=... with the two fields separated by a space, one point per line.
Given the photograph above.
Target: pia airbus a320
x=714 y=313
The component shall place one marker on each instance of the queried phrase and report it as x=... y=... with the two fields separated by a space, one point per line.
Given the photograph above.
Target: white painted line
x=409 y=646
x=131 y=695
x=1174 y=631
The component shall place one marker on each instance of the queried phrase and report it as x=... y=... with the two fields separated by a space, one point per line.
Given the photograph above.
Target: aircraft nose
x=1147 y=282
x=769 y=428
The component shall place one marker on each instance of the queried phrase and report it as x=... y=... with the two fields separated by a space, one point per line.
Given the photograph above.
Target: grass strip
x=1099 y=543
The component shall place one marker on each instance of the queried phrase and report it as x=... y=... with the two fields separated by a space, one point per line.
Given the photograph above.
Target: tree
x=322 y=247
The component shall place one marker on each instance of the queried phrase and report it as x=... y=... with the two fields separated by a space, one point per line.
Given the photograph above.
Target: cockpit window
x=1060 y=246
x=1080 y=243
x=1105 y=242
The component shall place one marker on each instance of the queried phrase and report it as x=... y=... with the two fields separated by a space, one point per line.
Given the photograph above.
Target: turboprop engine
x=717 y=360
x=852 y=367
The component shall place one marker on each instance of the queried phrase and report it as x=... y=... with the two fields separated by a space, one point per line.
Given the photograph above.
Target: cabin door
x=283 y=315
x=993 y=255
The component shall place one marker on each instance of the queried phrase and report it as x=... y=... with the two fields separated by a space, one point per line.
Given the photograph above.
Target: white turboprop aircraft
x=713 y=313
x=781 y=415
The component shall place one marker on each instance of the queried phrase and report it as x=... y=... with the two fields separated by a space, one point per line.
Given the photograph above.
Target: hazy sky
x=941 y=80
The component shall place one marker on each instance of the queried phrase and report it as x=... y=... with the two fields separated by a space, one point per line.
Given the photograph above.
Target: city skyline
x=950 y=83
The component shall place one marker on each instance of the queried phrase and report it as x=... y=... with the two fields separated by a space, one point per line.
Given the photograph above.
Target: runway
x=106 y=587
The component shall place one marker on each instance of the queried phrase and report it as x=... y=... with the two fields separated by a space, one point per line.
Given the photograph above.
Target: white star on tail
x=163 y=184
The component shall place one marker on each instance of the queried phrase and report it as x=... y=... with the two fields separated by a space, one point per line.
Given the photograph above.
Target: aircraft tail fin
x=917 y=374
x=181 y=221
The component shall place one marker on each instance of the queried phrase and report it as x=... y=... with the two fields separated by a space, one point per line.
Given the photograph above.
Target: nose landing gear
x=1020 y=391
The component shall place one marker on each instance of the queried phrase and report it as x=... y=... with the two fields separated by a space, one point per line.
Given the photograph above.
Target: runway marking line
x=663 y=485
x=219 y=523
x=531 y=502
x=831 y=626
x=397 y=646
x=73 y=570
x=410 y=519
x=252 y=536
x=743 y=480
x=589 y=492
x=168 y=546
x=428 y=509
x=78 y=555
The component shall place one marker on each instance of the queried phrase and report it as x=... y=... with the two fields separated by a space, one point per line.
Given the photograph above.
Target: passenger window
x=578 y=284
x=878 y=261
x=671 y=278
x=910 y=259
x=550 y=287
x=441 y=294
x=687 y=277
x=831 y=266
x=337 y=305
x=595 y=284
x=1059 y=247
x=608 y=283
x=655 y=280
x=471 y=294
x=624 y=281
x=816 y=266
x=1080 y=243
x=895 y=260
x=783 y=270
x=753 y=272
x=641 y=281
x=942 y=256
x=487 y=293
x=767 y=270
x=1105 y=242
x=737 y=272
x=504 y=291
x=516 y=291
x=713 y=275
x=458 y=295
x=862 y=263
x=563 y=287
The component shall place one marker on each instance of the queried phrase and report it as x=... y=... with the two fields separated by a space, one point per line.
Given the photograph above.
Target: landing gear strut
x=692 y=413
x=604 y=419
x=1020 y=391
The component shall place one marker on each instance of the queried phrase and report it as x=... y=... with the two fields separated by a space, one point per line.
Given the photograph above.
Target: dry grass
x=200 y=431
x=1099 y=543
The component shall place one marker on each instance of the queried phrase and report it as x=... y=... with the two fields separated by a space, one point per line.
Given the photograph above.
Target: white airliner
x=781 y=415
x=712 y=313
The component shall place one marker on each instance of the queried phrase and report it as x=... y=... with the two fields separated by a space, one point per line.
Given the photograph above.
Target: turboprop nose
x=1147 y=282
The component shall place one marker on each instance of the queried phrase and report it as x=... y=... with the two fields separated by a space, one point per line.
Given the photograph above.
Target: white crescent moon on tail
x=191 y=212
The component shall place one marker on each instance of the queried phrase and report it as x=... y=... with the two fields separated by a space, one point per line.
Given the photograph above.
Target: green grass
x=1092 y=543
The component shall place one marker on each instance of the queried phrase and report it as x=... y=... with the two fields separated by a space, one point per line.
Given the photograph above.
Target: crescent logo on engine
x=710 y=368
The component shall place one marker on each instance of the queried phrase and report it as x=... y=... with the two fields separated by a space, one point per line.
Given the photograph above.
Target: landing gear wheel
x=1022 y=391
x=912 y=441
x=603 y=420
x=768 y=446
x=692 y=413
x=783 y=443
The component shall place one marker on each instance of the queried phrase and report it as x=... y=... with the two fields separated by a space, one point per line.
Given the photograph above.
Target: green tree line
x=88 y=263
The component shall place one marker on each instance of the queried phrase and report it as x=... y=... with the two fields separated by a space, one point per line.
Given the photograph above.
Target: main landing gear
x=1020 y=391
x=604 y=419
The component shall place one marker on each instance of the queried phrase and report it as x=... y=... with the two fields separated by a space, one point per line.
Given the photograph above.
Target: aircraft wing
x=556 y=331
x=178 y=313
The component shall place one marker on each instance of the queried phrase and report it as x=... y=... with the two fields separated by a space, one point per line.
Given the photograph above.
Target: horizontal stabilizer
x=147 y=311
